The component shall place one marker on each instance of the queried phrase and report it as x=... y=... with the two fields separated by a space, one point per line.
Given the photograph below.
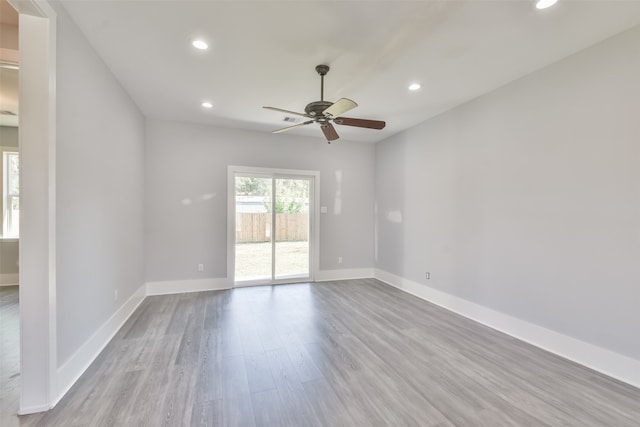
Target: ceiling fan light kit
x=325 y=113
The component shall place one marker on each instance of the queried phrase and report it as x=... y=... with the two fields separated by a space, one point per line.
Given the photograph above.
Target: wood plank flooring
x=345 y=353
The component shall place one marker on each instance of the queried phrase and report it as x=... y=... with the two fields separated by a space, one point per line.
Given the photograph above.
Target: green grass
x=253 y=260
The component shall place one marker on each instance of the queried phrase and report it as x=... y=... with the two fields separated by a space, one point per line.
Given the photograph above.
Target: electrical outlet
x=427 y=275
x=339 y=260
x=200 y=267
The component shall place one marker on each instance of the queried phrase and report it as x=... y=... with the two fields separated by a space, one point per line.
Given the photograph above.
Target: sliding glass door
x=291 y=237
x=272 y=239
x=253 y=246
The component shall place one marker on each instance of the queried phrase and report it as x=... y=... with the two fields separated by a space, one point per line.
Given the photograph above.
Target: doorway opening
x=36 y=250
x=9 y=215
x=273 y=231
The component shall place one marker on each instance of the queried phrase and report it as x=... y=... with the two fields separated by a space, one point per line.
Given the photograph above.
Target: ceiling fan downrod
x=322 y=70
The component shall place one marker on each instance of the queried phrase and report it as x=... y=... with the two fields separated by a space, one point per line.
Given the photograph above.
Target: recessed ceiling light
x=414 y=86
x=207 y=104
x=543 y=4
x=200 y=44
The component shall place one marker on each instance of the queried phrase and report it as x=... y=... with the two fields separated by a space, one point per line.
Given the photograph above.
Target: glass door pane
x=254 y=256
x=291 y=228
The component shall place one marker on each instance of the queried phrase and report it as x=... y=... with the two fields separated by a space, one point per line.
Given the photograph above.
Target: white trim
x=38 y=8
x=185 y=286
x=78 y=363
x=5 y=236
x=37 y=134
x=54 y=382
x=346 y=274
x=7 y=279
x=597 y=358
x=268 y=282
x=33 y=409
x=314 y=220
x=231 y=223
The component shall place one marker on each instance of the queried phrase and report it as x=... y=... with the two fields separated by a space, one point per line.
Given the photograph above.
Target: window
x=10 y=192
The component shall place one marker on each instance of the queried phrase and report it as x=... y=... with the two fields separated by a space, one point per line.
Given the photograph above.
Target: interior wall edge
x=71 y=370
x=599 y=359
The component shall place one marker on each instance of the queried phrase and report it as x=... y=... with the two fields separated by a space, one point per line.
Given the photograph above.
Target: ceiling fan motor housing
x=315 y=109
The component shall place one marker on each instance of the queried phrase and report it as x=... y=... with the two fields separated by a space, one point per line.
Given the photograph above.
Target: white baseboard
x=73 y=368
x=184 y=286
x=346 y=274
x=9 y=279
x=33 y=409
x=597 y=358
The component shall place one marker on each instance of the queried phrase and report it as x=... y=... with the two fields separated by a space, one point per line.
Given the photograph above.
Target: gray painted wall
x=527 y=200
x=8 y=136
x=185 y=161
x=99 y=189
x=8 y=259
x=8 y=248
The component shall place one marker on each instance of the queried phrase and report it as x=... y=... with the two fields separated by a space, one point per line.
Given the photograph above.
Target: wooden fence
x=256 y=227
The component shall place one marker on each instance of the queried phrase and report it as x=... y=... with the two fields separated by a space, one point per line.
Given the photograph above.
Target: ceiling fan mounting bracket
x=322 y=69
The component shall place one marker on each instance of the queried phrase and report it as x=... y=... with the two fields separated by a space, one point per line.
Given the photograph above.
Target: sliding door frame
x=314 y=218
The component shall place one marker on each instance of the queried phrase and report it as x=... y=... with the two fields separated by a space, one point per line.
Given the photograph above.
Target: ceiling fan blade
x=361 y=123
x=285 y=111
x=329 y=132
x=342 y=105
x=291 y=127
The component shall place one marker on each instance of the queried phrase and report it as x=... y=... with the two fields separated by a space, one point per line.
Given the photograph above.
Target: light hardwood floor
x=345 y=353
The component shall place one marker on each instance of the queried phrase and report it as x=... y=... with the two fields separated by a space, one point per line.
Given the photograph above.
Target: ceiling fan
x=325 y=113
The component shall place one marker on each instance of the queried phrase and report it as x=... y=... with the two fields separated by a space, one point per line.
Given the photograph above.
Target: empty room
x=320 y=213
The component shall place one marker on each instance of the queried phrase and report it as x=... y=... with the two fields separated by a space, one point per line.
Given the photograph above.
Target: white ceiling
x=264 y=53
